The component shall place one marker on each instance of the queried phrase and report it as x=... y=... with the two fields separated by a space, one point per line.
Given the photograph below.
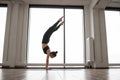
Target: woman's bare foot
x=61 y=18
x=61 y=23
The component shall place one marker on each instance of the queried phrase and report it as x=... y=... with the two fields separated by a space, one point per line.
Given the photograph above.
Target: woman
x=46 y=39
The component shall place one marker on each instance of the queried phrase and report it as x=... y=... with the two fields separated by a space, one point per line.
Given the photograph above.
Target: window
x=40 y=20
x=64 y=40
x=3 y=14
x=113 y=35
x=74 y=35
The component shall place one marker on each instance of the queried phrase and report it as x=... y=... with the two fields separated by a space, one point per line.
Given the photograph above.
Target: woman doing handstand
x=46 y=39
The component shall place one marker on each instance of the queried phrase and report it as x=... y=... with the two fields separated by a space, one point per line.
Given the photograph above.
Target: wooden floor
x=60 y=74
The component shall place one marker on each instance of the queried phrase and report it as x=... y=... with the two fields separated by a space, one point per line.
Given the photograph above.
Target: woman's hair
x=54 y=53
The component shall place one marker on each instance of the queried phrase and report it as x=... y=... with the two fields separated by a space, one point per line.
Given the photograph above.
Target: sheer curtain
x=3 y=15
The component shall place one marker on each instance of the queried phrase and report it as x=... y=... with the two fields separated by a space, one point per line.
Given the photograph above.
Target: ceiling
x=64 y=0
x=61 y=2
x=116 y=0
x=114 y=3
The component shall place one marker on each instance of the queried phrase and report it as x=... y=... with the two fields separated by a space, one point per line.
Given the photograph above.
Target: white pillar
x=98 y=33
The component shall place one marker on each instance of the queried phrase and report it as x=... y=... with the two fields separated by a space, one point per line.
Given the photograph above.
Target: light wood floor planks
x=60 y=74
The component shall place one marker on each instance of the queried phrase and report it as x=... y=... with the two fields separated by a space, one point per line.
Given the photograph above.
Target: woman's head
x=53 y=54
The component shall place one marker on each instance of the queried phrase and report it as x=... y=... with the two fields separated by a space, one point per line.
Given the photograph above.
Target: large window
x=40 y=20
x=74 y=36
x=113 y=35
x=3 y=13
x=68 y=40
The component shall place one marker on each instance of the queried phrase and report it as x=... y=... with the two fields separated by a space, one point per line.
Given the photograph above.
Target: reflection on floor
x=60 y=74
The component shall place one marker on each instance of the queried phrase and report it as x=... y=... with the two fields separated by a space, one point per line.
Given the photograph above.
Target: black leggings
x=49 y=32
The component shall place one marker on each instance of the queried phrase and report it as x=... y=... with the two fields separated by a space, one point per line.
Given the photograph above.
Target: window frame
x=59 y=65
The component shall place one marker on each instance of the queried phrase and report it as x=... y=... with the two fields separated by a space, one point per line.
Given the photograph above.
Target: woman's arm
x=47 y=58
x=47 y=61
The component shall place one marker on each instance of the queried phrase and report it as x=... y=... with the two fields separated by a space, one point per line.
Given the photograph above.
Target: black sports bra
x=45 y=49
